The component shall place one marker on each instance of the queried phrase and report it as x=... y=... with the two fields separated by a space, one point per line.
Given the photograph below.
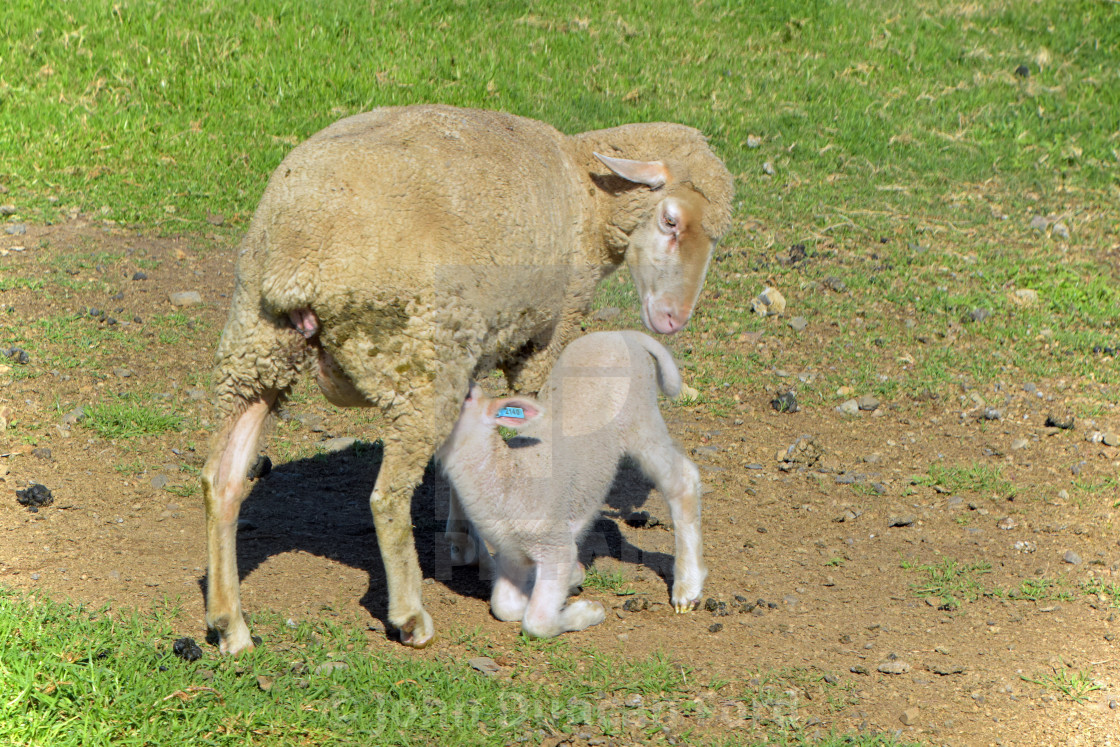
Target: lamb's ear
x=653 y=174
x=513 y=412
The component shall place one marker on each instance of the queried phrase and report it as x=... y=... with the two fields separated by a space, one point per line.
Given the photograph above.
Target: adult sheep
x=405 y=251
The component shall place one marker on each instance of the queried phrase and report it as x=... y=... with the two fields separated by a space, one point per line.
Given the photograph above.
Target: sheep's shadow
x=320 y=505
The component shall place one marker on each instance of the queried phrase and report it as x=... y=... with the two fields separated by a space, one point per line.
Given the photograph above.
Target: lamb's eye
x=670 y=222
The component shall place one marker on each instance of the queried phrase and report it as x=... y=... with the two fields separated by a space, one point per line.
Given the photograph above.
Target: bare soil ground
x=809 y=536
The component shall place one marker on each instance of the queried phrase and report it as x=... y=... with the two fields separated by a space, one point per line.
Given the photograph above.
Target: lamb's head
x=480 y=416
x=672 y=243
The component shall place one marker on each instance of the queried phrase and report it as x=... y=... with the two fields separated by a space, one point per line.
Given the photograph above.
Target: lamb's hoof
x=418 y=631
x=686 y=605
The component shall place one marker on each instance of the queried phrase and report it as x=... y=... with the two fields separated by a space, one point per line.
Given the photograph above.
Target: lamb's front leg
x=546 y=616
x=464 y=544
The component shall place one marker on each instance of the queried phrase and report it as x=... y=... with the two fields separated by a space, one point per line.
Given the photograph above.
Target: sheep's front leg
x=223 y=489
x=391 y=503
x=546 y=616
x=678 y=480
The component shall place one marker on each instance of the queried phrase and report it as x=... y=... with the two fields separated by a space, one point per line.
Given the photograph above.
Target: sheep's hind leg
x=678 y=480
x=224 y=485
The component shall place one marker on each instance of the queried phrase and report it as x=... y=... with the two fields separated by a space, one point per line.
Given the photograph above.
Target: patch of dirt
x=807 y=576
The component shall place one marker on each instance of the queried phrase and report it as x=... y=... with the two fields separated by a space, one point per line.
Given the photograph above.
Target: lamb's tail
x=668 y=375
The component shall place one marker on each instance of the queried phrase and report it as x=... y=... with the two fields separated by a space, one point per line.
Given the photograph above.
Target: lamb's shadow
x=320 y=505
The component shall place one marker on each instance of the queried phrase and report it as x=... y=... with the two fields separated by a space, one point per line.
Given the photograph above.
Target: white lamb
x=534 y=497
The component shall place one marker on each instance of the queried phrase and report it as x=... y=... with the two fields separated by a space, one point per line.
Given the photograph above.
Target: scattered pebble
x=848 y=407
x=606 y=314
x=1024 y=297
x=159 y=482
x=636 y=604
x=340 y=443
x=859 y=669
x=185 y=298
x=715 y=627
x=902 y=521
x=139 y=276
x=16 y=229
x=769 y=303
x=835 y=284
x=798 y=324
x=909 y=717
x=1025 y=546
x=1040 y=222
x=6 y=210
x=1071 y=557
x=264 y=682
x=867 y=403
x=894 y=666
x=485 y=664
x=786 y=402
x=1111 y=438
x=768 y=168
x=989 y=413
x=186 y=649
x=1064 y=420
x=753 y=141
x=1061 y=230
x=1019 y=443
x=978 y=315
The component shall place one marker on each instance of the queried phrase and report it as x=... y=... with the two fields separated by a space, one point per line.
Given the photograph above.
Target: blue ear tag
x=511 y=412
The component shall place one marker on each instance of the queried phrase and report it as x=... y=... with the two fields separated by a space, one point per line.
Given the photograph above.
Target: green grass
x=1071 y=685
x=612 y=582
x=128 y=419
x=77 y=676
x=976 y=478
x=949 y=581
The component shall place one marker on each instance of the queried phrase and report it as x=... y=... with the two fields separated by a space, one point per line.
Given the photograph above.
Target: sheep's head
x=670 y=247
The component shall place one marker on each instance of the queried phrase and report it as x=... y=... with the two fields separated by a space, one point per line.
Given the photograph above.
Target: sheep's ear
x=653 y=174
x=513 y=412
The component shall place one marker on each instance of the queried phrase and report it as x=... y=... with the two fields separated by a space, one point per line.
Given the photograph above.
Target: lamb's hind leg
x=678 y=480
x=223 y=489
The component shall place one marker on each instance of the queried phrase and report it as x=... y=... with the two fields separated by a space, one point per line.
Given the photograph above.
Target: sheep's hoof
x=686 y=606
x=418 y=631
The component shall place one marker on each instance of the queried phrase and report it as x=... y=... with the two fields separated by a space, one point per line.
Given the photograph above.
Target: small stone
x=1019 y=444
x=195 y=395
x=186 y=649
x=16 y=229
x=8 y=210
x=849 y=407
x=786 y=402
x=867 y=403
x=902 y=521
x=1071 y=557
x=41 y=453
x=264 y=682
x=768 y=168
x=159 y=482
x=798 y=324
x=185 y=298
x=688 y=394
x=715 y=627
x=485 y=664
x=215 y=219
x=634 y=700
x=1024 y=297
x=909 y=717
x=1025 y=546
x=753 y=141
x=1040 y=222
x=636 y=604
x=835 y=284
x=139 y=276
x=859 y=669
x=1064 y=420
x=945 y=670
x=769 y=303
x=330 y=667
x=1007 y=523
x=978 y=315
x=989 y=413
x=894 y=666
x=122 y=373
x=341 y=443
x=606 y=314
x=1061 y=230
x=1111 y=438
